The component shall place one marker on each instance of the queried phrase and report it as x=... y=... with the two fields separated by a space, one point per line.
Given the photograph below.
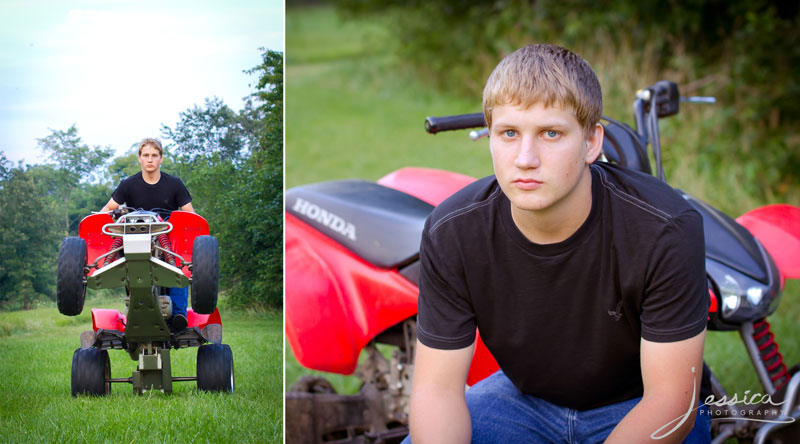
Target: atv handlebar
x=123 y=210
x=434 y=125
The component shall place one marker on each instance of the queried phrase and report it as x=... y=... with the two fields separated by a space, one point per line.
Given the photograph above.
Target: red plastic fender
x=434 y=186
x=200 y=320
x=185 y=227
x=777 y=227
x=91 y=230
x=426 y=184
x=335 y=301
x=108 y=319
x=712 y=308
x=114 y=320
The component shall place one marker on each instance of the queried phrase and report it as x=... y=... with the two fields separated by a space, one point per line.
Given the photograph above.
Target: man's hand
x=671 y=374
x=438 y=409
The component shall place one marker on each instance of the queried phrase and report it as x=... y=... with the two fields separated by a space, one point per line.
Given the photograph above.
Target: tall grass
x=36 y=405
x=356 y=110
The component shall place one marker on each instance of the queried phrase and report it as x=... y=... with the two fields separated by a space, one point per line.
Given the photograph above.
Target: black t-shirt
x=168 y=193
x=565 y=320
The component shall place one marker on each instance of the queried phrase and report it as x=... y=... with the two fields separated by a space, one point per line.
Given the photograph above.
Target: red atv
x=145 y=254
x=352 y=268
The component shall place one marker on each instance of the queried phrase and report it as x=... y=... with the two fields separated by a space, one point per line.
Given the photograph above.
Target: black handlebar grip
x=434 y=125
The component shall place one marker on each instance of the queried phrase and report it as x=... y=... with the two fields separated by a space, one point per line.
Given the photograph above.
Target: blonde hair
x=546 y=74
x=155 y=143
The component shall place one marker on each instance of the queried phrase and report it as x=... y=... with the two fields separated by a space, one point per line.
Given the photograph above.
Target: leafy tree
x=28 y=237
x=121 y=167
x=269 y=96
x=214 y=128
x=5 y=166
x=232 y=164
x=73 y=160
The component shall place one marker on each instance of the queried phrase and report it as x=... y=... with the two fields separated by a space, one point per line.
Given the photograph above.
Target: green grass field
x=354 y=110
x=36 y=405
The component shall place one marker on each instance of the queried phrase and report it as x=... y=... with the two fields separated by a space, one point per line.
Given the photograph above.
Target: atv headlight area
x=741 y=297
x=125 y=228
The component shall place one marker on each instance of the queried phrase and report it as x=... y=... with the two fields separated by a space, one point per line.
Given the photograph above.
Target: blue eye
x=551 y=134
x=510 y=133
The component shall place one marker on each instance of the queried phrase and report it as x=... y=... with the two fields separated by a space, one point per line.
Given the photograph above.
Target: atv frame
x=146 y=255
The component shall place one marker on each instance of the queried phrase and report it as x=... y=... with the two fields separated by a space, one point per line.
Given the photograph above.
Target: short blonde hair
x=155 y=143
x=546 y=74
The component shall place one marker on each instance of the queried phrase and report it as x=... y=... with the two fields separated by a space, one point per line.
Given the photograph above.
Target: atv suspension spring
x=770 y=356
x=114 y=245
x=163 y=240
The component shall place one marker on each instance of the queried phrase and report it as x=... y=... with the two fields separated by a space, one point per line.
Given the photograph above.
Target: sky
x=118 y=69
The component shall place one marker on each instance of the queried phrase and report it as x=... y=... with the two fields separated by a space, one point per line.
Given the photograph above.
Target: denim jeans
x=180 y=300
x=501 y=413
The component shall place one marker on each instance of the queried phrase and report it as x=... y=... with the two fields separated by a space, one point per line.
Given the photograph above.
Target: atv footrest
x=109 y=339
x=188 y=338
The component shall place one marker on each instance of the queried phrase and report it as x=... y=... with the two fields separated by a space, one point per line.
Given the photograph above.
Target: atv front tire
x=71 y=289
x=91 y=369
x=205 y=274
x=215 y=368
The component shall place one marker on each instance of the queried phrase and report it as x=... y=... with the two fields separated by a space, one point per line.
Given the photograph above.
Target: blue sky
x=119 y=69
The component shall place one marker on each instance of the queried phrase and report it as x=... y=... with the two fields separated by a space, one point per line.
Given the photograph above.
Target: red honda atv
x=145 y=254
x=352 y=273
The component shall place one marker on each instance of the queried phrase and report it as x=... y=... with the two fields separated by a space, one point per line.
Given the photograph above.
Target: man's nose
x=528 y=154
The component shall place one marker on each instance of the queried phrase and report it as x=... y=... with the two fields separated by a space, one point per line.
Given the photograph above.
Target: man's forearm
x=439 y=417
x=655 y=417
x=111 y=205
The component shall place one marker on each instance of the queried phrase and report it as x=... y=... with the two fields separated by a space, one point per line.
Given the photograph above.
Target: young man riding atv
x=137 y=249
x=151 y=189
x=586 y=281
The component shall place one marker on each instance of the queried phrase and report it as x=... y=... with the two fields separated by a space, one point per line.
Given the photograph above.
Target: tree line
x=231 y=162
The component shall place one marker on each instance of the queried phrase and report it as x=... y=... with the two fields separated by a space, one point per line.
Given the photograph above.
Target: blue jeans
x=180 y=300
x=501 y=413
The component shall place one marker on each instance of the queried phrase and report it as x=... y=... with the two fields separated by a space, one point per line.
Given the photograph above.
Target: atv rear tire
x=71 y=290
x=215 y=368
x=205 y=274
x=90 y=370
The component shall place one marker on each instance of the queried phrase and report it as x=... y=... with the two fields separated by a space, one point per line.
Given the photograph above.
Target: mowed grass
x=353 y=110
x=36 y=404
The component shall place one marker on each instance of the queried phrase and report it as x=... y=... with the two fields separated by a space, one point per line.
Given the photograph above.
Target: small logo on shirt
x=616 y=313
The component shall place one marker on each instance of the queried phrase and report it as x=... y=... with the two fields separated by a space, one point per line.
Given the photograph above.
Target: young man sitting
x=586 y=281
x=151 y=189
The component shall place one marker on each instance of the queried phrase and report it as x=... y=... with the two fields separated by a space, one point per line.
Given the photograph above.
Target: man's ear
x=594 y=144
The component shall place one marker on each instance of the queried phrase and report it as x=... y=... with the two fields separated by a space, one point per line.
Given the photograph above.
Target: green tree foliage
x=214 y=128
x=744 y=52
x=123 y=166
x=269 y=95
x=28 y=236
x=232 y=164
x=74 y=161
